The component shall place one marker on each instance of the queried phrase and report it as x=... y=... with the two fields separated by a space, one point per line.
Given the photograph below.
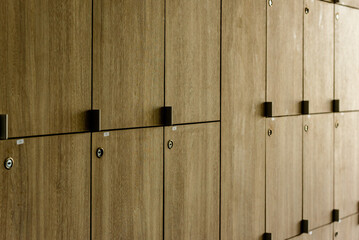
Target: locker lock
x=306 y=128
x=9 y=162
x=337 y=16
x=306 y=10
x=270 y=132
x=336 y=124
x=270 y=3
x=170 y=144
x=99 y=152
x=336 y=234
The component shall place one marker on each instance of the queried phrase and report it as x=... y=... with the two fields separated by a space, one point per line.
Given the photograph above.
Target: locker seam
x=265 y=122
x=220 y=120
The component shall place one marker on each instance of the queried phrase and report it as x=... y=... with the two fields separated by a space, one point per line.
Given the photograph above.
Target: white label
x=174 y=128
x=20 y=141
x=106 y=134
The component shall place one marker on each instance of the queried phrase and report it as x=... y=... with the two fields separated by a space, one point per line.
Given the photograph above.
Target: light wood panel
x=348 y=228
x=322 y=233
x=284 y=177
x=350 y=3
x=347 y=58
x=285 y=56
x=319 y=55
x=318 y=175
x=192 y=182
x=46 y=194
x=45 y=58
x=129 y=62
x=193 y=59
x=127 y=185
x=243 y=142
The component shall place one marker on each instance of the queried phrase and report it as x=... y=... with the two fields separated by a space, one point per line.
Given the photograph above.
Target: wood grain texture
x=284 y=177
x=127 y=185
x=348 y=228
x=284 y=56
x=45 y=58
x=347 y=58
x=192 y=182
x=319 y=55
x=322 y=233
x=46 y=195
x=243 y=142
x=350 y=3
x=318 y=172
x=129 y=62
x=193 y=60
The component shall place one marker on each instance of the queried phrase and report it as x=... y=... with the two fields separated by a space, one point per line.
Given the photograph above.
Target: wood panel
x=348 y=228
x=322 y=233
x=45 y=58
x=193 y=60
x=192 y=182
x=127 y=185
x=319 y=55
x=350 y=3
x=46 y=194
x=318 y=175
x=284 y=177
x=347 y=58
x=129 y=62
x=243 y=142
x=285 y=56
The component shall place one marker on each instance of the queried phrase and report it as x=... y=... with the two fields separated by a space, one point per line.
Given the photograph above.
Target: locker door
x=45 y=59
x=192 y=182
x=350 y=3
x=128 y=62
x=319 y=55
x=318 y=162
x=284 y=56
x=46 y=194
x=347 y=57
x=193 y=59
x=346 y=163
x=347 y=229
x=322 y=233
x=127 y=186
x=284 y=177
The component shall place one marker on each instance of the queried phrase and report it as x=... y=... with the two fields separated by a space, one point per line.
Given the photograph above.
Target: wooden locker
x=193 y=60
x=318 y=169
x=349 y=3
x=319 y=55
x=322 y=233
x=284 y=176
x=46 y=194
x=347 y=57
x=127 y=187
x=45 y=58
x=128 y=62
x=285 y=56
x=347 y=229
x=346 y=168
x=243 y=143
x=192 y=182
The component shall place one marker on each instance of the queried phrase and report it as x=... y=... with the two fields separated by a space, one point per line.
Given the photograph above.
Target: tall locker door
x=346 y=163
x=347 y=57
x=45 y=59
x=285 y=56
x=319 y=55
x=347 y=229
x=193 y=60
x=242 y=123
x=284 y=177
x=128 y=62
x=127 y=184
x=192 y=182
x=46 y=193
x=318 y=165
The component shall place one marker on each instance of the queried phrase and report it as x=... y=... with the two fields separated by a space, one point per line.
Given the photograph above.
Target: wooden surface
x=284 y=56
x=319 y=55
x=46 y=194
x=350 y=3
x=192 y=182
x=127 y=185
x=348 y=228
x=318 y=172
x=322 y=233
x=284 y=177
x=346 y=163
x=129 y=62
x=243 y=127
x=347 y=58
x=45 y=59
x=193 y=60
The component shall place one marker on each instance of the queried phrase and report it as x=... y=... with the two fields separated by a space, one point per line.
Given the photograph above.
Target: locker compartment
x=46 y=193
x=128 y=62
x=127 y=184
x=45 y=59
x=322 y=233
x=192 y=181
x=193 y=60
x=347 y=229
x=284 y=176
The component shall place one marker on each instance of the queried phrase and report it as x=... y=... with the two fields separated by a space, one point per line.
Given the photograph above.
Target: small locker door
x=193 y=60
x=349 y=3
x=128 y=81
x=322 y=233
x=347 y=229
x=46 y=193
x=127 y=184
x=192 y=182
x=284 y=176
